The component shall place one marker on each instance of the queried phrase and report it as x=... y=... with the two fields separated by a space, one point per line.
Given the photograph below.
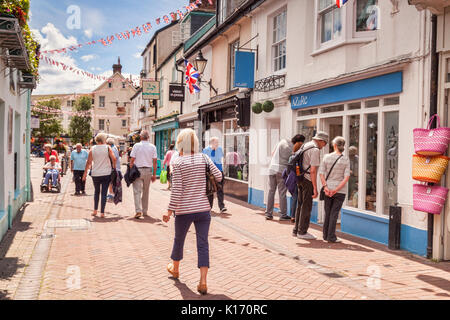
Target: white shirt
x=101 y=162
x=144 y=152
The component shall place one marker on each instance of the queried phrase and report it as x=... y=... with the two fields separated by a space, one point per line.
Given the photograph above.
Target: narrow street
x=56 y=250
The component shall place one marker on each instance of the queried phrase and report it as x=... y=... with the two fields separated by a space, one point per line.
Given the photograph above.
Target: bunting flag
x=192 y=76
x=135 y=32
x=340 y=3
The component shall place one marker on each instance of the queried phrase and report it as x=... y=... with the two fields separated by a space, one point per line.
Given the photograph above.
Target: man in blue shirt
x=78 y=159
x=216 y=154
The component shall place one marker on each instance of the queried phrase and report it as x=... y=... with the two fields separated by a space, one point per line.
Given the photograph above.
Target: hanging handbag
x=431 y=142
x=429 y=169
x=430 y=199
x=211 y=185
x=322 y=191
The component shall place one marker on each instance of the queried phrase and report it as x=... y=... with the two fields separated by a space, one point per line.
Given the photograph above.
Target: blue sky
x=98 y=19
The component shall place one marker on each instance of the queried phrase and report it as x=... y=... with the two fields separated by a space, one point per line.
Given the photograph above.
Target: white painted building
x=350 y=72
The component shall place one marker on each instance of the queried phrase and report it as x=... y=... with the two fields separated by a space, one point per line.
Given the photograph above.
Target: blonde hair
x=339 y=142
x=101 y=138
x=187 y=142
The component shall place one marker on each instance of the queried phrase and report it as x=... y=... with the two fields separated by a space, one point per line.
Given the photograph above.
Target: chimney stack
x=117 y=67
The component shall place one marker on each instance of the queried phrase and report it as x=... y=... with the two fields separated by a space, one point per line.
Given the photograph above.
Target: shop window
x=308 y=128
x=237 y=156
x=279 y=41
x=371 y=161
x=353 y=155
x=393 y=101
x=372 y=103
x=391 y=134
x=304 y=113
x=333 y=109
x=366 y=15
x=329 y=16
x=354 y=106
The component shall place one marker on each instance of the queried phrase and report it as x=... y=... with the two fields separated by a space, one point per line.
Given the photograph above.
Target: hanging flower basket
x=257 y=108
x=142 y=109
x=268 y=106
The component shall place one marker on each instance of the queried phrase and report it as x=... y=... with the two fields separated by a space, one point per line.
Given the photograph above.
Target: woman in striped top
x=189 y=203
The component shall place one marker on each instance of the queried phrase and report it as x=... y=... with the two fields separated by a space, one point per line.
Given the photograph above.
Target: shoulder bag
x=211 y=185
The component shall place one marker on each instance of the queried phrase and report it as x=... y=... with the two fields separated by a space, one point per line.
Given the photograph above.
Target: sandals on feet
x=174 y=274
x=202 y=289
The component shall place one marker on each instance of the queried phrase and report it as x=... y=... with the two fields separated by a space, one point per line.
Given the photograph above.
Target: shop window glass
x=366 y=15
x=393 y=101
x=353 y=155
x=390 y=188
x=448 y=70
x=309 y=112
x=237 y=156
x=330 y=16
x=372 y=103
x=333 y=109
x=308 y=128
x=371 y=161
x=354 y=106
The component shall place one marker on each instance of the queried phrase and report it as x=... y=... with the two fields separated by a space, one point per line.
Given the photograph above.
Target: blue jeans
x=54 y=174
x=103 y=183
x=293 y=204
x=202 y=221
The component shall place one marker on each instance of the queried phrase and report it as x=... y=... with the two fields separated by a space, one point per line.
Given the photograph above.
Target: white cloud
x=88 y=33
x=89 y=57
x=96 y=69
x=53 y=39
x=137 y=55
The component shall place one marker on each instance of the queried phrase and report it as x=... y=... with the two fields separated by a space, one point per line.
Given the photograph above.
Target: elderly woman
x=53 y=170
x=190 y=204
x=102 y=160
x=50 y=152
x=336 y=167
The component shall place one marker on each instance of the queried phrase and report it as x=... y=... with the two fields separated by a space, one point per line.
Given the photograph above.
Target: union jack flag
x=340 y=3
x=192 y=76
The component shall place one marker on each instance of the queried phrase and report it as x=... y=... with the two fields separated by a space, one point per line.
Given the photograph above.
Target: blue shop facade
x=376 y=115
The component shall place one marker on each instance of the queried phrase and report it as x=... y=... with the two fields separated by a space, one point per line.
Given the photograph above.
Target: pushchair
x=50 y=186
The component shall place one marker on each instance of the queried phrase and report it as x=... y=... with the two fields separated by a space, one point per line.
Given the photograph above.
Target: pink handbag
x=431 y=142
x=430 y=199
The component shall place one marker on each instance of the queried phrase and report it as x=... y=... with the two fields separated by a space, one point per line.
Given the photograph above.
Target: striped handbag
x=431 y=142
x=429 y=169
x=430 y=199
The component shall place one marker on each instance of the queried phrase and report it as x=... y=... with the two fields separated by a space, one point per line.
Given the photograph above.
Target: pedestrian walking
x=102 y=162
x=300 y=140
x=189 y=203
x=215 y=153
x=49 y=152
x=307 y=187
x=78 y=159
x=166 y=163
x=278 y=163
x=144 y=157
x=336 y=167
x=110 y=142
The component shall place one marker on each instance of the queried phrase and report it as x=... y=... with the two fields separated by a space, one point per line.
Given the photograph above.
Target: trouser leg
x=202 y=224
x=328 y=202
x=138 y=186
x=298 y=209
x=282 y=194
x=106 y=180
x=55 y=178
x=96 y=192
x=271 y=195
x=147 y=179
x=182 y=224
x=306 y=206
x=47 y=177
x=338 y=200
x=294 y=204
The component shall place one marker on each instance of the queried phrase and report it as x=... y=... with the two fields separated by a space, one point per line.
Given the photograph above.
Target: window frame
x=100 y=124
x=100 y=102
x=362 y=34
x=319 y=15
x=276 y=44
x=232 y=63
x=362 y=148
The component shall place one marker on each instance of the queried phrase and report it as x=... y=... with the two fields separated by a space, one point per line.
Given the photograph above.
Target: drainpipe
x=28 y=147
x=433 y=110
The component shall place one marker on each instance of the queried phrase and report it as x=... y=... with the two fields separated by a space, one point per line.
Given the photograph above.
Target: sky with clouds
x=52 y=24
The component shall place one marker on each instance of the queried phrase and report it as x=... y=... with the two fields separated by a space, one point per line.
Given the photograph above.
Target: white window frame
x=275 y=44
x=232 y=62
x=362 y=149
x=362 y=34
x=224 y=139
x=99 y=126
x=100 y=105
x=318 y=22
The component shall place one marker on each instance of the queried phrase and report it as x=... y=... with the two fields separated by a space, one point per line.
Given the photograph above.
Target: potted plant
x=257 y=108
x=268 y=106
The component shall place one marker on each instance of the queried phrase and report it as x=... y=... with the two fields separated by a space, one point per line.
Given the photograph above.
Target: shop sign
x=176 y=92
x=377 y=86
x=150 y=90
x=188 y=124
x=244 y=72
x=35 y=123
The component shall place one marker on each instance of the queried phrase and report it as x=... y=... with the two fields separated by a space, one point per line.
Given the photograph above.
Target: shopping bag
x=163 y=177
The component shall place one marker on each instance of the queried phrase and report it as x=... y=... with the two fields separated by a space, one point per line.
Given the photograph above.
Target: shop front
x=228 y=120
x=165 y=134
x=367 y=114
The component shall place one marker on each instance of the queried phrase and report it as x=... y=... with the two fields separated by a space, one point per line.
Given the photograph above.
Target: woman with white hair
x=336 y=167
x=189 y=203
x=103 y=161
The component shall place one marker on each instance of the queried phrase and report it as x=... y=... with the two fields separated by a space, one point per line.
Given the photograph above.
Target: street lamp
x=107 y=125
x=200 y=64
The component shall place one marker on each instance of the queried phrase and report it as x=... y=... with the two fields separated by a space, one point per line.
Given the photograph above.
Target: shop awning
x=173 y=124
x=232 y=101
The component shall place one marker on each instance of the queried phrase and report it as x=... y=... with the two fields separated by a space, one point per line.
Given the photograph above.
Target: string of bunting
x=138 y=31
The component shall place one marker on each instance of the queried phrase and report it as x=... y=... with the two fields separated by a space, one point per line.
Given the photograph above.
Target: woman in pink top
x=166 y=163
x=189 y=203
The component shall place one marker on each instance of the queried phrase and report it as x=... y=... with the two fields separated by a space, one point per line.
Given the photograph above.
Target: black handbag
x=322 y=191
x=211 y=184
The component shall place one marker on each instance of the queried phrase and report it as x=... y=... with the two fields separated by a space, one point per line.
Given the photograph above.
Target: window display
x=371 y=161
x=391 y=120
x=353 y=150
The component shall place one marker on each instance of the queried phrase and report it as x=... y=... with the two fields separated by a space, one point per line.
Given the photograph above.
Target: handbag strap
x=438 y=121
x=333 y=167
x=207 y=164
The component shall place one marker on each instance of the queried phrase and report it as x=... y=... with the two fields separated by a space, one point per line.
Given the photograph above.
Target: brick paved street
x=120 y=257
